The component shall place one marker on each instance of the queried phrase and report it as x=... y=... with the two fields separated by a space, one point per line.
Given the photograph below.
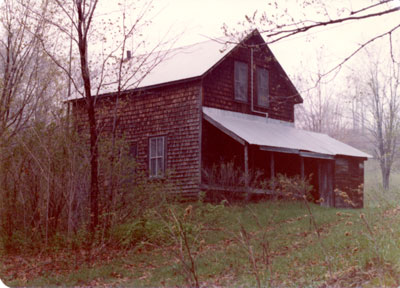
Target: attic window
x=241 y=81
x=262 y=87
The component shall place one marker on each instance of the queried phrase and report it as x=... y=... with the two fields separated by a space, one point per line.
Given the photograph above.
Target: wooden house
x=204 y=106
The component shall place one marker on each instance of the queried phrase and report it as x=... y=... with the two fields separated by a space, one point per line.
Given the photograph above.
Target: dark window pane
x=262 y=87
x=153 y=147
x=160 y=146
x=153 y=171
x=160 y=166
x=241 y=81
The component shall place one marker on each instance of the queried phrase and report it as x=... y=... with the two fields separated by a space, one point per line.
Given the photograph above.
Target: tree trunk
x=94 y=163
x=385 y=178
x=83 y=27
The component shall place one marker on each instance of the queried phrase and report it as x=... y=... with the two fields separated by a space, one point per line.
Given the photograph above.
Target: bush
x=292 y=187
x=17 y=243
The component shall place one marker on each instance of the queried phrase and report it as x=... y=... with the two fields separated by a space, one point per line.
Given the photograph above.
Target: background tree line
x=360 y=108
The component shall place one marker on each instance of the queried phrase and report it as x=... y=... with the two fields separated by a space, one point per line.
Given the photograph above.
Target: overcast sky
x=199 y=19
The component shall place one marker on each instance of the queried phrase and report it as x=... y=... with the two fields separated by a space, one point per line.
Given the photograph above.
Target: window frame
x=260 y=103
x=238 y=81
x=157 y=157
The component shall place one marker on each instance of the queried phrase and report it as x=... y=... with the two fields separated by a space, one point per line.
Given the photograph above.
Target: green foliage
x=285 y=246
x=140 y=232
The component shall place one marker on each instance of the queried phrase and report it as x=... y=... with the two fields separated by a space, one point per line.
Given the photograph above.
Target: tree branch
x=290 y=32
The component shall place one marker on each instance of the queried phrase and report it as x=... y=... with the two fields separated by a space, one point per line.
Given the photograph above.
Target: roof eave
x=139 y=89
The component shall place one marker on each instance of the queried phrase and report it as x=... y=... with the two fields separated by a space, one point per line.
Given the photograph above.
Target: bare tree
x=376 y=87
x=384 y=96
x=322 y=110
x=321 y=113
x=356 y=108
x=282 y=20
x=28 y=83
x=101 y=66
x=25 y=76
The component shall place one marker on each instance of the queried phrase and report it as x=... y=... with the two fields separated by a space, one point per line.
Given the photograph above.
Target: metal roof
x=275 y=136
x=187 y=62
x=161 y=67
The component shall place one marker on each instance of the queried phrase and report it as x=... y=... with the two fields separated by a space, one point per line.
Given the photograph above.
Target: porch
x=246 y=147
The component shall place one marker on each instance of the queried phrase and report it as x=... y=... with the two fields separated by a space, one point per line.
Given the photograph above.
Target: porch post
x=272 y=168
x=302 y=168
x=246 y=169
x=272 y=165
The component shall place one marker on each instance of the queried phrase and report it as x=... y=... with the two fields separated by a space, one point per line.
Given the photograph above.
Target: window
x=262 y=87
x=241 y=81
x=157 y=156
x=342 y=165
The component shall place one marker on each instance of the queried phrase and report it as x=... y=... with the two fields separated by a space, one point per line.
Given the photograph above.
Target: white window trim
x=157 y=157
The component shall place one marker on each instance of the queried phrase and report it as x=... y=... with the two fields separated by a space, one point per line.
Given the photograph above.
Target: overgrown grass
x=297 y=256
x=273 y=243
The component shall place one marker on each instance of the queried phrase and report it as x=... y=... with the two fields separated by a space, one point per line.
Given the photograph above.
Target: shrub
x=146 y=230
x=292 y=187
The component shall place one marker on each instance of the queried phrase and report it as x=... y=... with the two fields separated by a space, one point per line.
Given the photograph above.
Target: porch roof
x=278 y=136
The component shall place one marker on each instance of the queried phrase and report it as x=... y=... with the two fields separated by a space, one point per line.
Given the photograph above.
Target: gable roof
x=179 y=64
x=187 y=62
x=273 y=136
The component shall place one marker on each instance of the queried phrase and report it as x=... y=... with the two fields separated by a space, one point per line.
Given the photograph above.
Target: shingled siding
x=173 y=112
x=219 y=86
x=349 y=181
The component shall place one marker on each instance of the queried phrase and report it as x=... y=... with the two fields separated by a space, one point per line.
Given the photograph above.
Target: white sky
x=198 y=19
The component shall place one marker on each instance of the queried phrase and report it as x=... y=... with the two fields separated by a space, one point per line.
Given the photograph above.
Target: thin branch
x=391 y=48
x=360 y=48
x=89 y=21
x=370 y=7
x=59 y=65
x=290 y=32
x=69 y=15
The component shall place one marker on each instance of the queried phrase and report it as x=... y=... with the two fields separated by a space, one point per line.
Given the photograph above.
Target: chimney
x=128 y=54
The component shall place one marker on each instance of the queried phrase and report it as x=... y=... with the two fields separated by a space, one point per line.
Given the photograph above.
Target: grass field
x=269 y=244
